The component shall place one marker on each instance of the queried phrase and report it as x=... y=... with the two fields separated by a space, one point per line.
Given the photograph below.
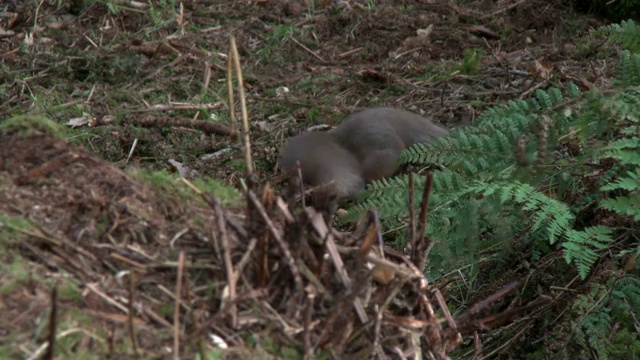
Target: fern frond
x=379 y=187
x=628 y=72
x=624 y=205
x=548 y=99
x=488 y=189
x=626 y=107
x=555 y=214
x=628 y=290
x=580 y=247
x=627 y=151
x=494 y=117
x=447 y=181
x=467 y=149
x=592 y=117
x=628 y=143
x=387 y=207
x=627 y=34
x=573 y=90
x=630 y=183
x=384 y=195
x=390 y=197
x=438 y=152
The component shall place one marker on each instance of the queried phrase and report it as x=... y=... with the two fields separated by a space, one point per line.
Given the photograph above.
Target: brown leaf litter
x=271 y=275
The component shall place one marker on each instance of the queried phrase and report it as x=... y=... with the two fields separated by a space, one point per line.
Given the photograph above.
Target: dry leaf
x=6 y=33
x=79 y=121
x=541 y=70
x=184 y=171
x=381 y=275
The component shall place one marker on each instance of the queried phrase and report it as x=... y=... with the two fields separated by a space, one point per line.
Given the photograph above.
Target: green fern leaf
x=580 y=247
x=624 y=205
x=628 y=73
x=627 y=34
x=625 y=183
x=573 y=90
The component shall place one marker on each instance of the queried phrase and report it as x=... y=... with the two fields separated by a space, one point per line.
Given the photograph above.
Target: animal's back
x=410 y=127
x=377 y=136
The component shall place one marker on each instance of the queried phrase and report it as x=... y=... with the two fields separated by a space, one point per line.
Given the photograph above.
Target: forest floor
x=86 y=208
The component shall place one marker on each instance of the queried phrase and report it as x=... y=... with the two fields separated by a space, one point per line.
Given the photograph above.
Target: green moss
x=15 y=273
x=8 y=352
x=471 y=61
x=70 y=291
x=163 y=180
x=228 y=195
x=28 y=125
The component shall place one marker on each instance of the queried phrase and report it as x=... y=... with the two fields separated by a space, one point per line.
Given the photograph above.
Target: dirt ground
x=82 y=210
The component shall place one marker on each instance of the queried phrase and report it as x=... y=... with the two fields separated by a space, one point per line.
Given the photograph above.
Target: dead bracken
x=266 y=269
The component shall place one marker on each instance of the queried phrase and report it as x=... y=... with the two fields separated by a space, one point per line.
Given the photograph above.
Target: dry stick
x=284 y=210
x=306 y=49
x=196 y=322
x=506 y=8
x=433 y=333
x=263 y=237
x=349 y=53
x=173 y=106
x=412 y=215
x=318 y=223
x=251 y=294
x=421 y=248
x=170 y=65
x=133 y=148
x=370 y=236
x=244 y=260
x=52 y=324
x=226 y=218
x=479 y=306
x=35 y=18
x=477 y=346
x=299 y=168
x=492 y=321
x=222 y=228
x=246 y=143
x=389 y=266
x=232 y=112
x=47 y=168
x=106 y=298
x=237 y=227
x=132 y=332
x=276 y=235
x=311 y=277
x=243 y=107
x=376 y=332
x=503 y=64
x=207 y=77
x=111 y=345
x=308 y=348
x=376 y=221
x=164 y=121
x=176 y=314
x=445 y=310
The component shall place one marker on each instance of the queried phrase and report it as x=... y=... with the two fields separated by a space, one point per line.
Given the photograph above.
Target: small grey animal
x=333 y=171
x=377 y=136
x=363 y=148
